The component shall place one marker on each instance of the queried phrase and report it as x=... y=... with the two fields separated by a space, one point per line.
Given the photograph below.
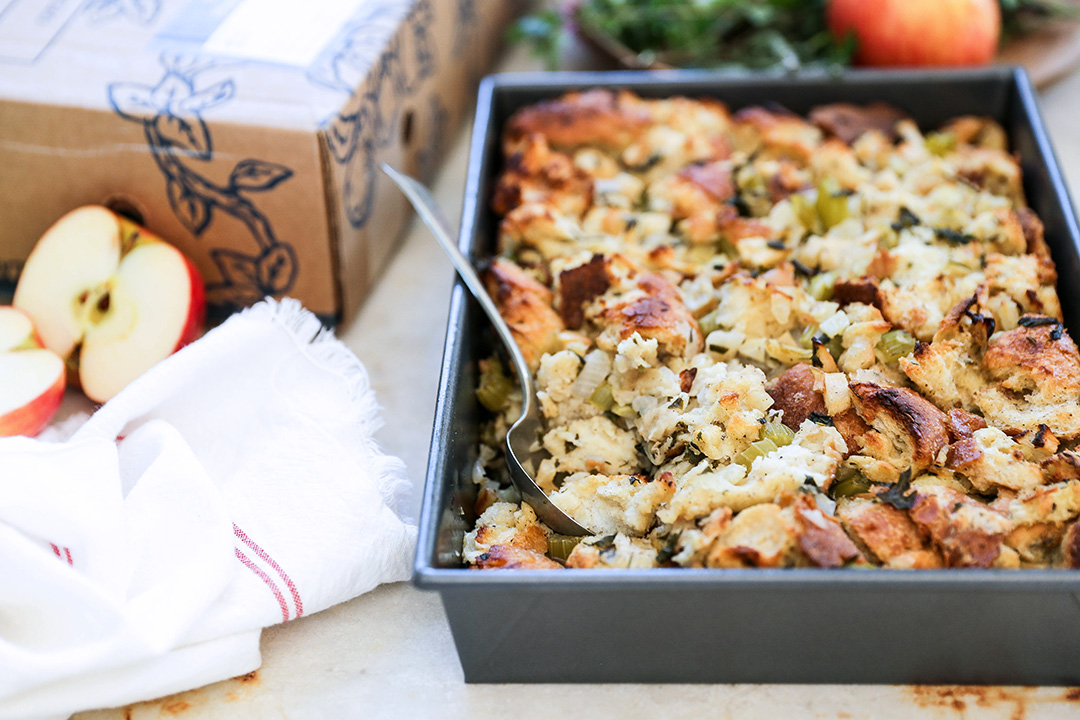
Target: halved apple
x=31 y=378
x=110 y=298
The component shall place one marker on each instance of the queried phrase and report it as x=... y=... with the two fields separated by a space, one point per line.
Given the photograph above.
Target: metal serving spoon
x=523 y=433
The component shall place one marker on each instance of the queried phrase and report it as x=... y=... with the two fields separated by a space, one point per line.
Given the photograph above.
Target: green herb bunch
x=757 y=34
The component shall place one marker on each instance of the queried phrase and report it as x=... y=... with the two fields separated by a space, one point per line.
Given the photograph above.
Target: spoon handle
x=522 y=434
x=429 y=213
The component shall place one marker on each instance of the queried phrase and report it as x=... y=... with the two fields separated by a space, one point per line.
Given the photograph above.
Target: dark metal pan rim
x=779 y=579
x=568 y=79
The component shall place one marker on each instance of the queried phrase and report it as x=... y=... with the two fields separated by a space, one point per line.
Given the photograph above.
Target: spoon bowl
x=522 y=440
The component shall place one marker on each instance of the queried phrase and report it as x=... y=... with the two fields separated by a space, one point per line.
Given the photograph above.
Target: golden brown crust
x=862 y=290
x=1036 y=543
x=848 y=122
x=1045 y=440
x=968 y=533
x=759 y=536
x=821 y=538
x=1041 y=358
x=537 y=174
x=1056 y=503
x=915 y=426
x=660 y=314
x=596 y=117
x=991 y=170
x=696 y=193
x=1062 y=466
x=961 y=424
x=990 y=460
x=686 y=382
x=963 y=454
x=511 y=557
x=1070 y=547
x=581 y=285
x=978 y=131
x=1029 y=281
x=789 y=178
x=724 y=222
x=711 y=178
x=1033 y=230
x=778 y=133
x=852 y=428
x=886 y=532
x=793 y=393
x=525 y=305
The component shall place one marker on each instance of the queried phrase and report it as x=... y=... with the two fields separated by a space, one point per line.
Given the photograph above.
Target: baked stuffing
x=763 y=340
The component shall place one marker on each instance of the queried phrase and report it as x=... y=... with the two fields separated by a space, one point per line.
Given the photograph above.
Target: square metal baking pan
x=754 y=625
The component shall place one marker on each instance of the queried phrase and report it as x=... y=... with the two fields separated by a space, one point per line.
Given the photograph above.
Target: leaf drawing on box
x=141 y=11
x=360 y=46
x=369 y=122
x=180 y=142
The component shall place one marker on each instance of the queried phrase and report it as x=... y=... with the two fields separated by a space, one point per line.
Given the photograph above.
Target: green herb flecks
x=783 y=34
x=899 y=494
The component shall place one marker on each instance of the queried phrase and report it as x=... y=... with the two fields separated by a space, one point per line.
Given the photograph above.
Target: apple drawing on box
x=33 y=377
x=110 y=298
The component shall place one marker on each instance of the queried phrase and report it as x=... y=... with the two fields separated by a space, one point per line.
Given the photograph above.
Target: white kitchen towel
x=234 y=486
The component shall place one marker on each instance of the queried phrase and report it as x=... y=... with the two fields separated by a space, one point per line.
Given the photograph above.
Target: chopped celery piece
x=761 y=448
x=804 y=211
x=806 y=340
x=849 y=482
x=602 y=397
x=835 y=346
x=708 y=324
x=896 y=344
x=779 y=433
x=888 y=239
x=940 y=143
x=820 y=286
x=494 y=390
x=726 y=247
x=560 y=546
x=832 y=203
x=624 y=411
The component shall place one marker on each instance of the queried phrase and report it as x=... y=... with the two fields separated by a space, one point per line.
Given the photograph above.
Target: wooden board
x=1048 y=53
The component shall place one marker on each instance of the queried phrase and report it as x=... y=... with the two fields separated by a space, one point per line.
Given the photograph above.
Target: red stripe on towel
x=67 y=556
x=262 y=554
x=266 y=579
x=55 y=549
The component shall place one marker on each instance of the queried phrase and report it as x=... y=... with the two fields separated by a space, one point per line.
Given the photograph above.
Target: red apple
x=918 y=32
x=109 y=297
x=31 y=378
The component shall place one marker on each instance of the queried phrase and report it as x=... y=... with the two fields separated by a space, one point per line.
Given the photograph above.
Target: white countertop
x=389 y=653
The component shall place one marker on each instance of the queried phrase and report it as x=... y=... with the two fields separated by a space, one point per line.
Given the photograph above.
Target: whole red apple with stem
x=918 y=32
x=31 y=377
x=110 y=298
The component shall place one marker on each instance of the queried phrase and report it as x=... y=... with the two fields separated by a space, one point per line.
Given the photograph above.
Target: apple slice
x=109 y=297
x=31 y=378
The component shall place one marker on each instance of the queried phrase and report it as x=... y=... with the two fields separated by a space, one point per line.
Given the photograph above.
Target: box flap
x=278 y=63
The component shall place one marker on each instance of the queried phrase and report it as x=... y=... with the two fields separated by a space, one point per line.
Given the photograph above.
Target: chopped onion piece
x=595 y=371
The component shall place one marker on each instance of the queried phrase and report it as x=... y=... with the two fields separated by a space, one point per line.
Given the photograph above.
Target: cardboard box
x=247 y=132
